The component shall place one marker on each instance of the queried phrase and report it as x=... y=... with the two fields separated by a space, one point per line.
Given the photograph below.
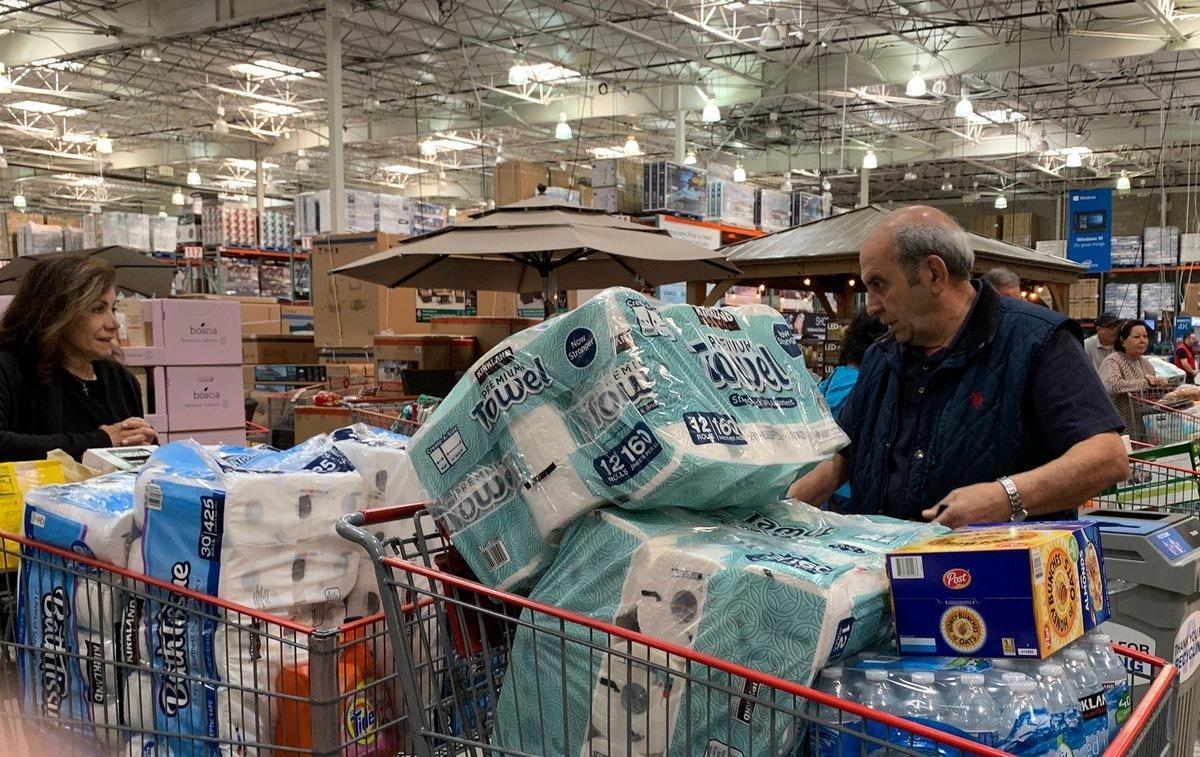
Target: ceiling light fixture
x=786 y=186
x=151 y=53
x=193 y=178
x=711 y=113
x=869 y=160
x=104 y=145
x=739 y=174
x=1074 y=159
x=428 y=148
x=1123 y=182
x=632 y=147
x=770 y=34
x=453 y=212
x=94 y=208
x=162 y=214
x=19 y=200
x=563 y=130
x=910 y=175
x=826 y=185
x=773 y=131
x=5 y=80
x=177 y=198
x=690 y=158
x=518 y=74
x=302 y=164
x=1001 y=202
x=964 y=109
x=220 y=126
x=916 y=84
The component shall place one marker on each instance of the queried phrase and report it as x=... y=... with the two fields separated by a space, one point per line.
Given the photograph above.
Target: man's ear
x=939 y=274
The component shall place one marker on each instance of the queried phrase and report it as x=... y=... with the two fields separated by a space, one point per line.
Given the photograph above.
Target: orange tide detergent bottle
x=366 y=710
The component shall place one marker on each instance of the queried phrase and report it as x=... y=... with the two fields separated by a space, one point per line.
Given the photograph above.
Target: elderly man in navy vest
x=973 y=407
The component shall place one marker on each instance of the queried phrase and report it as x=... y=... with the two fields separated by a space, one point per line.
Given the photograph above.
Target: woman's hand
x=1156 y=380
x=130 y=432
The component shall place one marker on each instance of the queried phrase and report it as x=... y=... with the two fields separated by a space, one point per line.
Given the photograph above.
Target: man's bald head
x=918 y=231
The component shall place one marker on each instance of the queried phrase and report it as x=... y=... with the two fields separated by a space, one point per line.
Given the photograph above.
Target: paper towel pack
x=621 y=400
x=785 y=604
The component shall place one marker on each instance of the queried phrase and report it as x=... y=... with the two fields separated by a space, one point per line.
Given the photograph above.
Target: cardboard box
x=314 y=421
x=189 y=332
x=263 y=328
x=416 y=350
x=518 y=180
x=488 y=332
x=297 y=319
x=999 y=591
x=349 y=375
x=202 y=398
x=349 y=313
x=134 y=330
x=15 y=480
x=286 y=349
x=213 y=436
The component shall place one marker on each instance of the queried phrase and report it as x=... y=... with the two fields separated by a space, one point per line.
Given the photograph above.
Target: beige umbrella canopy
x=137 y=272
x=541 y=245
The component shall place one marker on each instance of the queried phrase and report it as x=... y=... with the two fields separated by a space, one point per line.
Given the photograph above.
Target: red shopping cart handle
x=390 y=512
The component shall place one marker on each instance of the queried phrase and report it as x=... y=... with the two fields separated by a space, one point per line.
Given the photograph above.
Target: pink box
x=190 y=332
x=219 y=436
x=200 y=398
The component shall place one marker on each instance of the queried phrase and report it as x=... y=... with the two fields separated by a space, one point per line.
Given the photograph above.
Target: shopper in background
x=975 y=407
x=1004 y=281
x=59 y=386
x=1100 y=345
x=862 y=332
x=1185 y=356
x=1127 y=370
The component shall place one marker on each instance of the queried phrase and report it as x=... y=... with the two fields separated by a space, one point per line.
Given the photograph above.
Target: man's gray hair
x=1002 y=278
x=917 y=242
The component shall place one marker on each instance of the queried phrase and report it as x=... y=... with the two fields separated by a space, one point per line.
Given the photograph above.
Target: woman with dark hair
x=860 y=334
x=1126 y=370
x=60 y=387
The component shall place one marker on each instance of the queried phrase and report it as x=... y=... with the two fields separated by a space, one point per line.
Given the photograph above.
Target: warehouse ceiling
x=805 y=89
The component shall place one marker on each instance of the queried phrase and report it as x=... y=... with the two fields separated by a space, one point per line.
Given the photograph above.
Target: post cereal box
x=998 y=591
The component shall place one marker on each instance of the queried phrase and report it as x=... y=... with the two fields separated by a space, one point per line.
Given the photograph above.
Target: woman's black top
x=65 y=413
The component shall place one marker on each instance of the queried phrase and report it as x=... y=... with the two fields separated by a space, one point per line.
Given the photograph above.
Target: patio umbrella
x=137 y=272
x=541 y=245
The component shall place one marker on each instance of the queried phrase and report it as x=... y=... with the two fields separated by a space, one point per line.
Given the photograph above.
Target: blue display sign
x=1184 y=325
x=1089 y=228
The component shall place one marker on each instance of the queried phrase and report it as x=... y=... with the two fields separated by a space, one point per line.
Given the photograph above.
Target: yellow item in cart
x=15 y=480
x=1022 y=590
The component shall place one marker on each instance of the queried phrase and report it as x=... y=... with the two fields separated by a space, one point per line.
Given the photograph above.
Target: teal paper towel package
x=620 y=401
x=726 y=584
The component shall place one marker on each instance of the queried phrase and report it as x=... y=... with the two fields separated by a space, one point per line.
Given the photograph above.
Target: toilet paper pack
x=785 y=605
x=381 y=458
x=619 y=401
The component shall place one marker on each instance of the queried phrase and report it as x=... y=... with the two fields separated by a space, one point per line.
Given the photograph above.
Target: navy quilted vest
x=981 y=424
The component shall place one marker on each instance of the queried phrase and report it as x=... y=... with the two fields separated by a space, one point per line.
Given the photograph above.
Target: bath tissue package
x=625 y=401
x=381 y=458
x=764 y=596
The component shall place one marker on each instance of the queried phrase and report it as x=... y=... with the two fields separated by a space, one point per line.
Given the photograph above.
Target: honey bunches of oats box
x=998 y=591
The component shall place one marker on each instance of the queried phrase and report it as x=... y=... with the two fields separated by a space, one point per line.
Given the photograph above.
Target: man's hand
x=978 y=503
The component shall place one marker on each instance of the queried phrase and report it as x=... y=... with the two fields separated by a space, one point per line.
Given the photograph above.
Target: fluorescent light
x=999 y=116
x=177 y=198
x=869 y=160
x=964 y=109
x=562 y=131
x=454 y=143
x=1074 y=159
x=403 y=169
x=16 y=5
x=193 y=178
x=104 y=145
x=76 y=138
x=632 y=147
x=37 y=106
x=269 y=69
x=548 y=73
x=248 y=164
x=916 y=84
x=690 y=158
x=739 y=174
x=1123 y=182
x=275 y=109
x=601 y=153
x=233 y=183
x=1001 y=202
x=711 y=113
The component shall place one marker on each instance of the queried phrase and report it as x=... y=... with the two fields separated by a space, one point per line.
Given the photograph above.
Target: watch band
x=1017 y=511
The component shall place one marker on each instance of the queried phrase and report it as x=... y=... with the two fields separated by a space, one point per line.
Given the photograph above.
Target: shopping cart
x=469 y=665
x=400 y=417
x=293 y=687
x=1154 y=485
x=1164 y=415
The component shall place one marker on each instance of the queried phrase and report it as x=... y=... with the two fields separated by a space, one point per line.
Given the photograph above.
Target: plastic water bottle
x=973 y=711
x=881 y=697
x=1092 y=708
x=919 y=701
x=1026 y=716
x=1063 y=702
x=1111 y=672
x=834 y=733
x=996 y=681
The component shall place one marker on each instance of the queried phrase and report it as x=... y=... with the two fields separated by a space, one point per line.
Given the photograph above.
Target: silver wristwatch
x=1016 y=506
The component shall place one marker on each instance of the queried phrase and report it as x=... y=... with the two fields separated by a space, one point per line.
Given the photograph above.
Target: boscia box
x=1020 y=590
x=189 y=332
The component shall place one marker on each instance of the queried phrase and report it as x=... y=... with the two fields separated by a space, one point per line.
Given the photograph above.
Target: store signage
x=701 y=236
x=1135 y=640
x=1089 y=231
x=1184 y=325
x=1186 y=654
x=811 y=326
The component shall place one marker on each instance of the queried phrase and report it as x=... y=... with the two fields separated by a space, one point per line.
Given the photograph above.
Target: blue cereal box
x=998 y=591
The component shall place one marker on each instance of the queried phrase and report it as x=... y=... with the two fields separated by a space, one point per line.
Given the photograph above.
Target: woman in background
x=60 y=387
x=1127 y=370
x=860 y=334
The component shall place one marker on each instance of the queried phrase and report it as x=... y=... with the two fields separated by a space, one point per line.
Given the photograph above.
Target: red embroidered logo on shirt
x=976 y=400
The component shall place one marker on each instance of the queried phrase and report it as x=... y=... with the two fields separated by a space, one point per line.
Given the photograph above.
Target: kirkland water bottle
x=1026 y=717
x=1063 y=701
x=1111 y=672
x=996 y=681
x=973 y=711
x=835 y=732
x=881 y=697
x=1092 y=709
x=919 y=701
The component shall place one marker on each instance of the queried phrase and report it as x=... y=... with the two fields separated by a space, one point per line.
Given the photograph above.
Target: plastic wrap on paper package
x=93 y=518
x=381 y=458
x=622 y=400
x=771 y=588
